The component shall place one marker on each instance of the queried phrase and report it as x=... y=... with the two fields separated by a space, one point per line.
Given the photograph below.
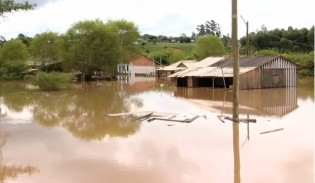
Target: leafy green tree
x=11 y=70
x=267 y=53
x=176 y=55
x=8 y=6
x=226 y=40
x=201 y=30
x=210 y=27
x=25 y=39
x=92 y=46
x=45 y=48
x=193 y=36
x=213 y=28
x=14 y=50
x=310 y=36
x=281 y=40
x=2 y=41
x=208 y=45
x=128 y=33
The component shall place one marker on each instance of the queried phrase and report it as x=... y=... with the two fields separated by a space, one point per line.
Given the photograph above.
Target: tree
x=226 y=40
x=210 y=27
x=193 y=36
x=208 y=45
x=310 y=36
x=128 y=33
x=8 y=6
x=14 y=50
x=26 y=40
x=201 y=30
x=184 y=39
x=213 y=28
x=92 y=46
x=45 y=48
x=2 y=41
x=13 y=56
x=176 y=55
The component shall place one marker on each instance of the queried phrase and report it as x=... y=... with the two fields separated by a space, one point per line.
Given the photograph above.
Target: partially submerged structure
x=187 y=64
x=142 y=65
x=175 y=67
x=255 y=72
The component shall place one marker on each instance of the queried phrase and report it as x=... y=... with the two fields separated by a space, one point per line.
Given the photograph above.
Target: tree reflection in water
x=12 y=171
x=83 y=112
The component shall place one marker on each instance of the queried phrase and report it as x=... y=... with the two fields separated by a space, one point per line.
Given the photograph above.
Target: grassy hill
x=168 y=52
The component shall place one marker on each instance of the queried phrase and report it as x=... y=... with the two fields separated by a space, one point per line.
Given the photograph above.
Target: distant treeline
x=280 y=40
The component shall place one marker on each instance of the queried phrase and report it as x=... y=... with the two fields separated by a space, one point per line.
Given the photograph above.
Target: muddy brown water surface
x=66 y=136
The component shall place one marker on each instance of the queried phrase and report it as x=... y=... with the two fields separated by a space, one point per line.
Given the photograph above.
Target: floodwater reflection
x=83 y=112
x=69 y=138
x=12 y=171
x=262 y=102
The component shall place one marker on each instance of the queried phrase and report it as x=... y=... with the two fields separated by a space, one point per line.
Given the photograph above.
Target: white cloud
x=170 y=18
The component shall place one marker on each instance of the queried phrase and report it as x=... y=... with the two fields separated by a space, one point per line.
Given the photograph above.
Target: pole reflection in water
x=236 y=152
x=12 y=171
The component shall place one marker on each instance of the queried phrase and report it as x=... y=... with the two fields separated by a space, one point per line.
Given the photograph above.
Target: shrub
x=11 y=70
x=267 y=52
x=52 y=80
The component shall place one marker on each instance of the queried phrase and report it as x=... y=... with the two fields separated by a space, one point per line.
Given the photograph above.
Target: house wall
x=275 y=74
x=148 y=70
x=279 y=73
x=123 y=69
x=251 y=79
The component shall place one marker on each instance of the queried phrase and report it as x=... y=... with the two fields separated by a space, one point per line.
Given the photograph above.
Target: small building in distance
x=142 y=66
x=255 y=72
x=175 y=67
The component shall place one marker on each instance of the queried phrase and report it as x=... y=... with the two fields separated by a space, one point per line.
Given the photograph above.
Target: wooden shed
x=255 y=72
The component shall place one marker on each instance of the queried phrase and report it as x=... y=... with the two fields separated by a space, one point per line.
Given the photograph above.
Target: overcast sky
x=159 y=17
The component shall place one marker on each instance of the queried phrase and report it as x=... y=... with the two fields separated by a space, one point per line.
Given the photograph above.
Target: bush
x=52 y=80
x=11 y=70
x=305 y=62
x=267 y=52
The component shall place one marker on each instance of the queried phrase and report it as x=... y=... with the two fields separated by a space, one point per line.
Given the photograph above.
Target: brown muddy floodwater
x=66 y=136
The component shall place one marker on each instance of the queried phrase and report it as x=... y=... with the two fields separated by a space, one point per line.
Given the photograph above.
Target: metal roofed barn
x=255 y=72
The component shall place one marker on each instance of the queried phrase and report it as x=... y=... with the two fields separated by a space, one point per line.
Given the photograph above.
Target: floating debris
x=152 y=116
x=270 y=131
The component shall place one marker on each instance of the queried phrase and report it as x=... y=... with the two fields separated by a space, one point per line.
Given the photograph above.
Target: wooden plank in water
x=188 y=120
x=128 y=113
x=240 y=120
x=270 y=131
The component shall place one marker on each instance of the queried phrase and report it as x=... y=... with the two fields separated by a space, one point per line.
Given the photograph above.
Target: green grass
x=187 y=48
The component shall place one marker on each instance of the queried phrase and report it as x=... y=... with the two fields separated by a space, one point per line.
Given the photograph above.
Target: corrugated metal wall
x=251 y=79
x=275 y=74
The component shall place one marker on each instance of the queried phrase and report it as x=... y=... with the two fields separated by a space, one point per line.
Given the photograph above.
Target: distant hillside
x=168 y=52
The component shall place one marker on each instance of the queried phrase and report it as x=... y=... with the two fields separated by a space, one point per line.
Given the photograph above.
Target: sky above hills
x=159 y=17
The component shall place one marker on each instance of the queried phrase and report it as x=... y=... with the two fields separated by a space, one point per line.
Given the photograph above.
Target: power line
x=289 y=40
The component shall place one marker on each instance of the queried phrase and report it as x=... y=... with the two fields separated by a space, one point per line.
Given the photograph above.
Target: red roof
x=142 y=61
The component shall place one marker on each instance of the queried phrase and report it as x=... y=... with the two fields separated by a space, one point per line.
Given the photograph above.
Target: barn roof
x=248 y=61
x=208 y=61
x=224 y=67
x=142 y=61
x=209 y=72
x=180 y=65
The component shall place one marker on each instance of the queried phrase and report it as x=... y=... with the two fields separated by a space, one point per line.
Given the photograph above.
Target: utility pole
x=247 y=37
x=236 y=145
